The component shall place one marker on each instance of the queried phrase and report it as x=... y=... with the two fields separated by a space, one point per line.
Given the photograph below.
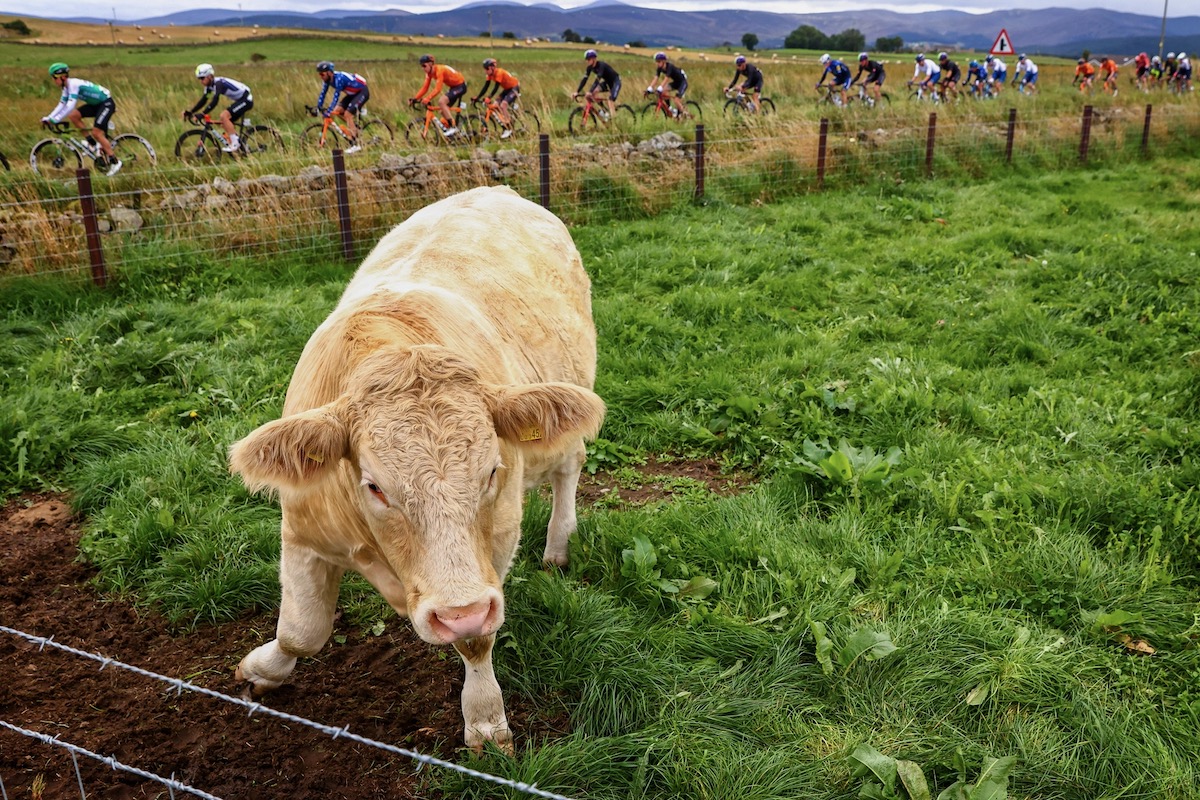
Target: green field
x=968 y=408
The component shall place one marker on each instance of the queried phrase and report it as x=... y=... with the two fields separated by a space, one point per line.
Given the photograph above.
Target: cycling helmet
x=825 y=58
x=324 y=66
x=1156 y=60
x=1022 y=57
x=59 y=68
x=660 y=56
x=990 y=58
x=863 y=57
x=739 y=60
x=943 y=56
x=425 y=59
x=489 y=62
x=204 y=71
x=590 y=54
x=1182 y=56
x=1080 y=61
x=1170 y=55
x=974 y=64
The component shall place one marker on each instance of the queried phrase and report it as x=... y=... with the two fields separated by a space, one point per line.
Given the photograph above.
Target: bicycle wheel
x=198 y=147
x=262 y=140
x=136 y=154
x=54 y=158
x=415 y=134
x=650 y=110
x=310 y=139
x=577 y=124
x=376 y=133
x=694 y=109
x=625 y=117
x=468 y=132
x=768 y=106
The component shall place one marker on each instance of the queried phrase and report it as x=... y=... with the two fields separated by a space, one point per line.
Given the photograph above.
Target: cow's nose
x=465 y=622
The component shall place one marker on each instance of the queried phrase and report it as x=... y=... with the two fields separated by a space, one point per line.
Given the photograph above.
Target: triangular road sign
x=1003 y=45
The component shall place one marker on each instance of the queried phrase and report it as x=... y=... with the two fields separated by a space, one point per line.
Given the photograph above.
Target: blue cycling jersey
x=840 y=72
x=350 y=83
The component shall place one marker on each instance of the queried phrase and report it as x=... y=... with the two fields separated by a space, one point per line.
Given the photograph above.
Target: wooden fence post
x=699 y=162
x=544 y=169
x=343 y=203
x=930 y=137
x=1146 y=131
x=91 y=227
x=1085 y=133
x=1012 y=128
x=821 y=141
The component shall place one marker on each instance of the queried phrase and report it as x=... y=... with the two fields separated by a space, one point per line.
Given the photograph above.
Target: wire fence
x=180 y=214
x=252 y=708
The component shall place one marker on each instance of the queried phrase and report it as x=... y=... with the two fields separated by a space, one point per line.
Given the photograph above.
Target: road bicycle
x=205 y=145
x=832 y=95
x=59 y=156
x=664 y=106
x=867 y=97
x=981 y=90
x=332 y=134
x=934 y=94
x=429 y=129
x=523 y=123
x=741 y=103
x=591 y=116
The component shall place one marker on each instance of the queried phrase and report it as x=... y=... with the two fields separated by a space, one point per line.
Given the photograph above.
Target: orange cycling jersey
x=1085 y=70
x=1109 y=66
x=442 y=74
x=505 y=78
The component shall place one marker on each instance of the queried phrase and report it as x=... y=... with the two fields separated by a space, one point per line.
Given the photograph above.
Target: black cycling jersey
x=751 y=78
x=874 y=70
x=951 y=71
x=603 y=72
x=674 y=74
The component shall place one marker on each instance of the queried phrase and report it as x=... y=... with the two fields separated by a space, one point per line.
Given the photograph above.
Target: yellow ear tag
x=530 y=435
x=317 y=457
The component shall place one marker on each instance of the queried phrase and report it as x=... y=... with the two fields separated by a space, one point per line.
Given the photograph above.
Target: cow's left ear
x=293 y=453
x=541 y=413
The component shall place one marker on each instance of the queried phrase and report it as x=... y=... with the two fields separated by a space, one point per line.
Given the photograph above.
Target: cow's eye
x=375 y=491
x=492 y=478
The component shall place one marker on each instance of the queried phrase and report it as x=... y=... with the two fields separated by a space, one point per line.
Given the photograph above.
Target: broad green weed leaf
x=867 y=760
x=867 y=644
x=955 y=791
x=838 y=467
x=640 y=560
x=993 y=781
x=979 y=695
x=698 y=587
x=824 y=646
x=913 y=779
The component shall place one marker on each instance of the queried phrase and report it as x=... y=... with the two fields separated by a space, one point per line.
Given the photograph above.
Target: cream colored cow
x=454 y=374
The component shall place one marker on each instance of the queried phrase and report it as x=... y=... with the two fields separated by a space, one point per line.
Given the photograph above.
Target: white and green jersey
x=79 y=90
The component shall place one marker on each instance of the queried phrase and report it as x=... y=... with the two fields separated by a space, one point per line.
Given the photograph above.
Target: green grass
x=971 y=408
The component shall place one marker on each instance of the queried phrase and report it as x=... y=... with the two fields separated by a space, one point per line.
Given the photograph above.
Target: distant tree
x=18 y=27
x=889 y=44
x=508 y=35
x=571 y=36
x=849 y=39
x=588 y=40
x=806 y=37
x=486 y=34
x=636 y=43
x=749 y=41
x=1087 y=55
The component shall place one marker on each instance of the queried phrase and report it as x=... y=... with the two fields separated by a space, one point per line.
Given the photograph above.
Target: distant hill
x=1060 y=31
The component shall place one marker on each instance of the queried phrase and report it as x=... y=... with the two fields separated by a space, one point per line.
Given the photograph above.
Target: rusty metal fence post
x=544 y=169
x=1146 y=131
x=1085 y=134
x=699 y=162
x=1012 y=129
x=91 y=227
x=343 y=203
x=930 y=137
x=822 y=139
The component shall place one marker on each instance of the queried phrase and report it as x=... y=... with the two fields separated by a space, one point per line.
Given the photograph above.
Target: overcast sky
x=136 y=9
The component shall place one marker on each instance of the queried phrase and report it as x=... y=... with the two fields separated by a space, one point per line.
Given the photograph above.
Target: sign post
x=1003 y=45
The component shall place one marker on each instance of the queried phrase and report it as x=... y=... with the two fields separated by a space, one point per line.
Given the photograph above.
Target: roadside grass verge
x=976 y=516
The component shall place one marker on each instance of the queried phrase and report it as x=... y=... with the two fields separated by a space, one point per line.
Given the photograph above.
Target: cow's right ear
x=294 y=453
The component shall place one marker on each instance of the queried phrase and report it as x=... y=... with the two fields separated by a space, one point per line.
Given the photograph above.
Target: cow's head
x=433 y=457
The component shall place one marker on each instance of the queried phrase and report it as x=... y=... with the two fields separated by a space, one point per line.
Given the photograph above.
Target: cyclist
x=999 y=73
x=499 y=78
x=607 y=80
x=1142 y=64
x=1085 y=73
x=97 y=104
x=875 y=74
x=752 y=81
x=664 y=71
x=1156 y=71
x=977 y=77
x=1025 y=65
x=1170 y=64
x=932 y=73
x=351 y=88
x=951 y=75
x=1109 y=67
x=239 y=96
x=1183 y=73
x=439 y=75
x=839 y=75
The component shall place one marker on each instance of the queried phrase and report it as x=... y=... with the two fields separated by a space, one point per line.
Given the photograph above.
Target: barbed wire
x=254 y=707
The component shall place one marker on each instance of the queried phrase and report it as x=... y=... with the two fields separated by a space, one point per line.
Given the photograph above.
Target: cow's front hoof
x=500 y=736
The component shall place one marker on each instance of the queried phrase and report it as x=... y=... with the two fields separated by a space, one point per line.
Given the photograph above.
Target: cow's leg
x=310 y=592
x=482 y=703
x=563 y=481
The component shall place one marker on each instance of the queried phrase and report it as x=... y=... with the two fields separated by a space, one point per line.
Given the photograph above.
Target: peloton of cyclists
x=927 y=73
x=838 y=74
x=349 y=95
x=752 y=81
x=608 y=82
x=874 y=72
x=436 y=76
x=666 y=71
x=1026 y=66
x=499 y=79
x=97 y=104
x=240 y=101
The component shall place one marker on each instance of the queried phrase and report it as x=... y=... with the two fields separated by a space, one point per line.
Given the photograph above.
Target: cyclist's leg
x=231 y=115
x=352 y=108
x=611 y=99
x=102 y=113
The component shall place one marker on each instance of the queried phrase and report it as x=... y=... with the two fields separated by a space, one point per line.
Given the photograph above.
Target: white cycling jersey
x=927 y=68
